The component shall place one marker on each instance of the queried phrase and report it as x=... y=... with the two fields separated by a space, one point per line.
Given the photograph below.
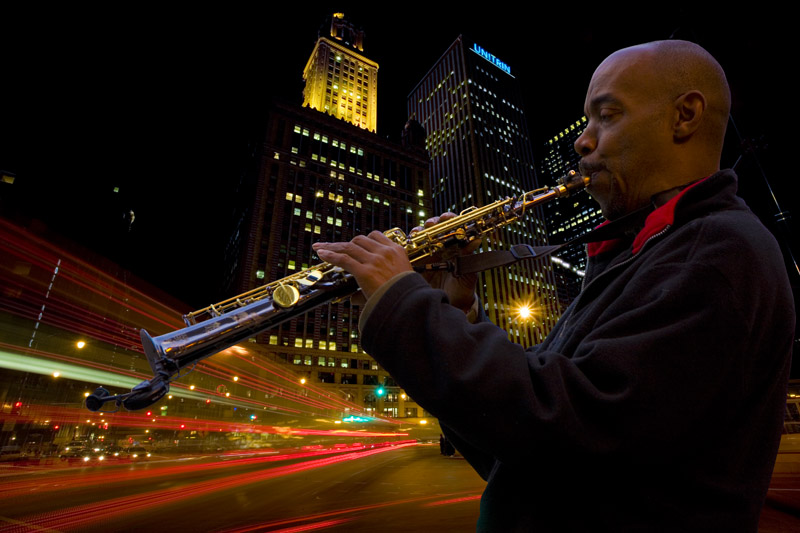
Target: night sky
x=163 y=105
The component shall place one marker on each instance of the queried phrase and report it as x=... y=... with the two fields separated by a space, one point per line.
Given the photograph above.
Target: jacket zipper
x=618 y=265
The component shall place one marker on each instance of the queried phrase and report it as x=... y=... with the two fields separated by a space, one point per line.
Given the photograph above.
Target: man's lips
x=589 y=169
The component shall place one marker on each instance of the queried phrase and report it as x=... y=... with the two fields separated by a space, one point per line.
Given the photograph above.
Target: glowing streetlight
x=525 y=311
x=80 y=344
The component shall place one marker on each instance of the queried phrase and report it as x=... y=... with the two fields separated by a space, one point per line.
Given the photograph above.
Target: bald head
x=657 y=118
x=679 y=67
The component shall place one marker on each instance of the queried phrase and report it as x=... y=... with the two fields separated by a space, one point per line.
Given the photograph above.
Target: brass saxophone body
x=219 y=326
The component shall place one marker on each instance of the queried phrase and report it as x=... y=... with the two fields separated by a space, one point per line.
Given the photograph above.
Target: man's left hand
x=372 y=259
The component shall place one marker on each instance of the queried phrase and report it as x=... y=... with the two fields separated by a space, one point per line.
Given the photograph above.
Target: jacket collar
x=658 y=220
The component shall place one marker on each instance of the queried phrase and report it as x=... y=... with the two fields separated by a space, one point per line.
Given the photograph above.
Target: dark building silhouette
x=470 y=104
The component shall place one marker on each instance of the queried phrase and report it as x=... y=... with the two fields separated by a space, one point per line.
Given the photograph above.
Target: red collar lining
x=657 y=221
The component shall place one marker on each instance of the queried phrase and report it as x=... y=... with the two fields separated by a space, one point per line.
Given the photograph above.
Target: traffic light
x=16 y=408
x=380 y=391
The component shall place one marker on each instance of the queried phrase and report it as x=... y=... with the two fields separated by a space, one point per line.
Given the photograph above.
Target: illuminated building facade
x=340 y=80
x=470 y=105
x=317 y=178
x=569 y=218
x=322 y=174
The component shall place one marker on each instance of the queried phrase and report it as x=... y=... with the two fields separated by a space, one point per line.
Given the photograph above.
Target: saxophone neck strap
x=470 y=264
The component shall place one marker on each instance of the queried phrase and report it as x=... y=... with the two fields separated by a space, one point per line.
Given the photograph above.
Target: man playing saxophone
x=656 y=403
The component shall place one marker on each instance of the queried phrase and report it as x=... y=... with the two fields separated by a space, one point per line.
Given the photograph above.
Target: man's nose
x=586 y=143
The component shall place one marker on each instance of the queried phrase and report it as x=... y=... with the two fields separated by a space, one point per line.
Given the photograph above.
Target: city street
x=398 y=489
x=395 y=488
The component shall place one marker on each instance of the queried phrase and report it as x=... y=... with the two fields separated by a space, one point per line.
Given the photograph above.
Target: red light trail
x=12 y=489
x=85 y=514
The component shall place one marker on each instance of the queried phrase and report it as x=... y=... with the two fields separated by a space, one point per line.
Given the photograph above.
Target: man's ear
x=689 y=109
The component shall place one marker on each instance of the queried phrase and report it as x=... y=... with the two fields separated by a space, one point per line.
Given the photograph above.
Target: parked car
x=73 y=450
x=114 y=452
x=11 y=453
x=93 y=456
x=137 y=453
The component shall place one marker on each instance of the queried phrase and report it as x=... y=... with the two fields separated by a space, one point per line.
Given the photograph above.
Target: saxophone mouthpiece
x=574 y=182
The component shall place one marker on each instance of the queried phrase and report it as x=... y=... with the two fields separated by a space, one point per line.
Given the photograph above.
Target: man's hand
x=460 y=290
x=372 y=259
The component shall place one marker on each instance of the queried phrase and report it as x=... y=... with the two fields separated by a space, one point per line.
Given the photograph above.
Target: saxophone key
x=285 y=295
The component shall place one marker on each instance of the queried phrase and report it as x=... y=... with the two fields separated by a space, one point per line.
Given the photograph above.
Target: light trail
x=454 y=500
x=125 y=419
x=77 y=301
x=46 y=363
x=41 y=253
x=102 y=511
x=12 y=489
x=360 y=510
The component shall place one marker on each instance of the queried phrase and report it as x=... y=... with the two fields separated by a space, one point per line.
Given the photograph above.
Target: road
x=398 y=488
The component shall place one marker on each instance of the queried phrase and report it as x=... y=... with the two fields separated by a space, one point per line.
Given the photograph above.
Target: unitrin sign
x=491 y=58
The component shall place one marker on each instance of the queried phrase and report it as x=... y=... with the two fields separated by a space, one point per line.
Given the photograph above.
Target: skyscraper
x=571 y=217
x=340 y=80
x=469 y=103
x=320 y=176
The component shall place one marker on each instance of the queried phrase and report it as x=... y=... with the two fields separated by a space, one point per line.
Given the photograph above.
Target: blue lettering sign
x=490 y=58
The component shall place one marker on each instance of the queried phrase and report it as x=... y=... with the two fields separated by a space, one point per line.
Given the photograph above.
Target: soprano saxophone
x=219 y=326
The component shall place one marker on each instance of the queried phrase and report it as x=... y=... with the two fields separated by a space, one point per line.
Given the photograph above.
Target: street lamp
x=525 y=311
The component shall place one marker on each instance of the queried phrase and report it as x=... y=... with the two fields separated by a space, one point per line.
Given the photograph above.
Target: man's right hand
x=460 y=290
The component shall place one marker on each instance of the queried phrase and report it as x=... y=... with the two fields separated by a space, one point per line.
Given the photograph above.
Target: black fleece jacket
x=655 y=404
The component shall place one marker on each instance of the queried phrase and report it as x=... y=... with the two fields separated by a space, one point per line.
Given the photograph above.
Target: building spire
x=340 y=81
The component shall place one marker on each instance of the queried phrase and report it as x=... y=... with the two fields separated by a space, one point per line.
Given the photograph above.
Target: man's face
x=626 y=144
